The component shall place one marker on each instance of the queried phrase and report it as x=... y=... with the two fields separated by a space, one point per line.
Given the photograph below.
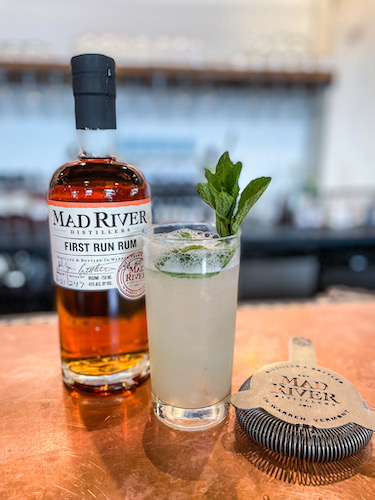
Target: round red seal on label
x=130 y=276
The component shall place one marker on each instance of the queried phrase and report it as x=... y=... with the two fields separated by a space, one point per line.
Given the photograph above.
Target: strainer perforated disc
x=300 y=409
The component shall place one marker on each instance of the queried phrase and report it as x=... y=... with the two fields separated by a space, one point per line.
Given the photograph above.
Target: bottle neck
x=96 y=143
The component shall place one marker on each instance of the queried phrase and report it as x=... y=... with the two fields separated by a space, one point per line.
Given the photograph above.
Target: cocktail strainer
x=300 y=409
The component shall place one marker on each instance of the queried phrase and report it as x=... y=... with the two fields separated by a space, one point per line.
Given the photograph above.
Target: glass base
x=125 y=380
x=190 y=419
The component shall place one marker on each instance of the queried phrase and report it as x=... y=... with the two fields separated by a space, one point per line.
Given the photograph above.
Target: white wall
x=348 y=159
x=223 y=26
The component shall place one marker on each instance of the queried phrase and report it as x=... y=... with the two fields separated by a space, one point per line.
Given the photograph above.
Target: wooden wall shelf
x=174 y=75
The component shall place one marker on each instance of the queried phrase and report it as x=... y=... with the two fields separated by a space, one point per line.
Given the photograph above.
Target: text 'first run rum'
x=98 y=207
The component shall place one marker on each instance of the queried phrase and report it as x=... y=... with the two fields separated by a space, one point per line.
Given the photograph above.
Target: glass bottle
x=97 y=209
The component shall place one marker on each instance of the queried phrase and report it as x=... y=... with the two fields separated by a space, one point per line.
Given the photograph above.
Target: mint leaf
x=221 y=192
x=188 y=248
x=226 y=256
x=223 y=226
x=205 y=192
x=249 y=196
x=224 y=204
x=185 y=235
x=229 y=173
x=189 y=276
x=226 y=176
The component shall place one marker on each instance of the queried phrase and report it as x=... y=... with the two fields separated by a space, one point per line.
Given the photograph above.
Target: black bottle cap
x=94 y=90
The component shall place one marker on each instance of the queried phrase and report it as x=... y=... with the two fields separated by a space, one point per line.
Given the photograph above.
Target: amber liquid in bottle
x=103 y=334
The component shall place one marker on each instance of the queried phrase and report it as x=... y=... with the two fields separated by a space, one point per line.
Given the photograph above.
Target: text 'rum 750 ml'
x=98 y=207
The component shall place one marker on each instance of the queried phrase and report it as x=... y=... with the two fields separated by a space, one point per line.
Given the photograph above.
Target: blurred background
x=286 y=86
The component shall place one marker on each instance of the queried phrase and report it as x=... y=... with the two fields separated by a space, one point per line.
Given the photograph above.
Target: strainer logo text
x=302 y=388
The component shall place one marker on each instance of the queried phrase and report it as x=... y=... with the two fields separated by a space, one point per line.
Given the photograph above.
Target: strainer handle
x=302 y=350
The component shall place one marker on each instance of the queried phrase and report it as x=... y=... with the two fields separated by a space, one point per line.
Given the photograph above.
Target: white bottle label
x=98 y=246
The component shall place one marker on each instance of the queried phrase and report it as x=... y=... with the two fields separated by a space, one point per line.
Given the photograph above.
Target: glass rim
x=147 y=232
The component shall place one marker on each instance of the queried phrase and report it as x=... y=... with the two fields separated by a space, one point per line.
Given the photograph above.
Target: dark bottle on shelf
x=97 y=209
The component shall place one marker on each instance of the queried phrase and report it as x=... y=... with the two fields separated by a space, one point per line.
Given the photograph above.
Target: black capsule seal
x=94 y=89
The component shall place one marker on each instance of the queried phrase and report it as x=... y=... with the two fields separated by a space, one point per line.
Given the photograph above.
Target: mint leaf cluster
x=221 y=192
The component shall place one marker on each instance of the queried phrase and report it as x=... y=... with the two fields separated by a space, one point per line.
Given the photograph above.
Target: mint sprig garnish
x=221 y=192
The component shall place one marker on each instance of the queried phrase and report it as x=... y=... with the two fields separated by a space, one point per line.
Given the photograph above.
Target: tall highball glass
x=191 y=277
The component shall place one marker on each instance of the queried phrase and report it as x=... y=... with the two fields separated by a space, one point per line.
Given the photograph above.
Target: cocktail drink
x=191 y=277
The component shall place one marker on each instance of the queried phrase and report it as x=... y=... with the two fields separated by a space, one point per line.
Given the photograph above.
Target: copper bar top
x=55 y=444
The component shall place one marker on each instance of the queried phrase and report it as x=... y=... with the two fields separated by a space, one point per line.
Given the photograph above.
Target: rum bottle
x=97 y=209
